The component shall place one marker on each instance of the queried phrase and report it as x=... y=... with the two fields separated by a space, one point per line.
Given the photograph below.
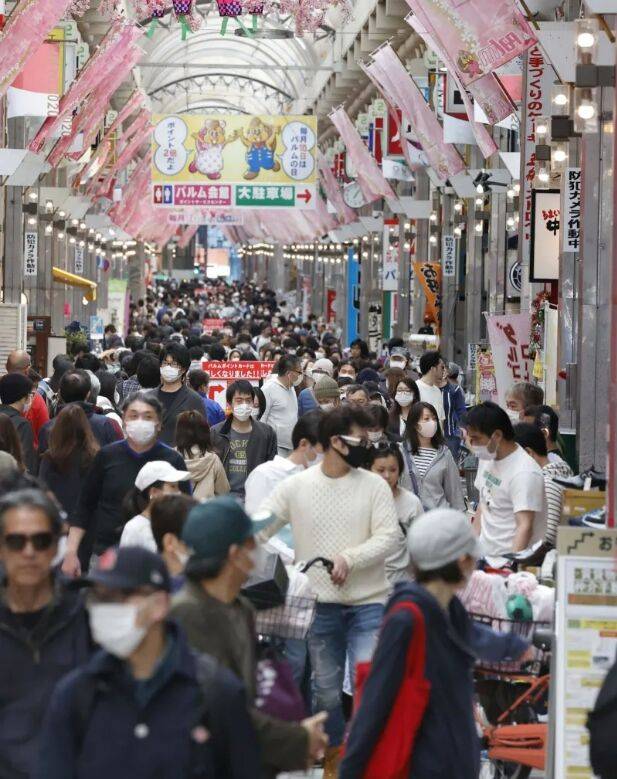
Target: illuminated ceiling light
x=479 y=201
x=49 y=206
x=479 y=228
x=32 y=220
x=458 y=207
x=433 y=217
x=33 y=195
x=433 y=240
x=49 y=229
x=560 y=155
x=516 y=187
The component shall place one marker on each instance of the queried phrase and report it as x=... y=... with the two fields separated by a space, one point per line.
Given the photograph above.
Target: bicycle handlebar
x=327 y=564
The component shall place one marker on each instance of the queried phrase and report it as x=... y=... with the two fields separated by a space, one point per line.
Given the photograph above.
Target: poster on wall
x=486 y=383
x=545 y=235
x=234 y=161
x=509 y=338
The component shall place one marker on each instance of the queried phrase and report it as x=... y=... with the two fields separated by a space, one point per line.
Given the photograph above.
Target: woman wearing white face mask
x=405 y=395
x=96 y=524
x=430 y=468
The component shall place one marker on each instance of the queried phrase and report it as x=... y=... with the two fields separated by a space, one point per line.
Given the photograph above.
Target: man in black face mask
x=346 y=514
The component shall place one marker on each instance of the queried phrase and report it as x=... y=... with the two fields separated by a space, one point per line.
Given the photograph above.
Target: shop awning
x=64 y=277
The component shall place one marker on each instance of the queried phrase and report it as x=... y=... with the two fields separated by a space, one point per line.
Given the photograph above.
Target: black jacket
x=184 y=399
x=26 y=437
x=97 y=727
x=102 y=428
x=447 y=745
x=261 y=447
x=30 y=665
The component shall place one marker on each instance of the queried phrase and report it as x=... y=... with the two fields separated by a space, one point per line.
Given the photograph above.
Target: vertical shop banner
x=571 y=211
x=79 y=259
x=545 y=238
x=586 y=626
x=31 y=252
x=389 y=268
x=539 y=79
x=234 y=161
x=509 y=338
x=448 y=257
x=35 y=90
x=330 y=306
x=429 y=276
x=374 y=328
x=353 y=296
x=306 y=297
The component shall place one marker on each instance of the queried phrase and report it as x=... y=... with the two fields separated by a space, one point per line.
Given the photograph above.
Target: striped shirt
x=554 y=496
x=423 y=459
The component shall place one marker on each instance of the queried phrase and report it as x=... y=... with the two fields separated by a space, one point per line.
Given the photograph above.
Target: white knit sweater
x=353 y=516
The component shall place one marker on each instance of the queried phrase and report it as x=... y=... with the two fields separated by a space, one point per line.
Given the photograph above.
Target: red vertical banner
x=330 y=305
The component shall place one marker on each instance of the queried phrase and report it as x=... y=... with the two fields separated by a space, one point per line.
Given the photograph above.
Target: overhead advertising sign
x=509 y=339
x=208 y=217
x=545 y=235
x=230 y=161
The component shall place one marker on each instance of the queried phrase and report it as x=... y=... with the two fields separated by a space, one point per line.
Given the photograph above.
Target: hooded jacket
x=208 y=475
x=441 y=484
x=31 y=662
x=447 y=745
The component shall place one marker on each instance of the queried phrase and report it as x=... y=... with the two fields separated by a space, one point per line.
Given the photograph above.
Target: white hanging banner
x=571 y=222
x=545 y=239
x=79 y=260
x=448 y=256
x=509 y=339
x=31 y=252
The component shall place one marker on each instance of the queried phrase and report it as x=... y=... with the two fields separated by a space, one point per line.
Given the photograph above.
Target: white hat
x=159 y=470
x=440 y=537
x=324 y=365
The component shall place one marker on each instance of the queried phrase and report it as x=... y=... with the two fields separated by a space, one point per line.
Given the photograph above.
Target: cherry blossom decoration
x=183 y=10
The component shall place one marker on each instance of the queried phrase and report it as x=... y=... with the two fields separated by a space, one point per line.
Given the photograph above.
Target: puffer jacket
x=207 y=475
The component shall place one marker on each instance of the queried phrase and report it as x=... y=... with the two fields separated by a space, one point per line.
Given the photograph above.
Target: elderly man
x=19 y=361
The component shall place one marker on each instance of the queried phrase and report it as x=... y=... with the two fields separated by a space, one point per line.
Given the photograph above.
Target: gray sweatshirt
x=441 y=485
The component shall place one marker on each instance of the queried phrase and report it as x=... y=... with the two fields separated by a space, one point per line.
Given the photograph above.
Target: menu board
x=586 y=632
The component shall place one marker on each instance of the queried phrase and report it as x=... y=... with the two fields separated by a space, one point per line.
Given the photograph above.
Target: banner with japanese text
x=429 y=276
x=234 y=161
x=509 y=338
x=571 y=222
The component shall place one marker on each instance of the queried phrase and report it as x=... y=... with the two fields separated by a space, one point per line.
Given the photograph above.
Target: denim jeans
x=296 y=654
x=337 y=632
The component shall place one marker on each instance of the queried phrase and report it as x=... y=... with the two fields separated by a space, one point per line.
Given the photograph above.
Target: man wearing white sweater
x=282 y=402
x=341 y=512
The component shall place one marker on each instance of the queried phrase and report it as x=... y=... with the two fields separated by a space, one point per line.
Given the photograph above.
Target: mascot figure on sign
x=260 y=141
x=209 y=144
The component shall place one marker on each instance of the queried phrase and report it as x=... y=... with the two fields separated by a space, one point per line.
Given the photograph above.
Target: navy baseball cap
x=129 y=568
x=212 y=527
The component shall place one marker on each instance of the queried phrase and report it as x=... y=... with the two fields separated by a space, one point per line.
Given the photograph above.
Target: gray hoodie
x=440 y=486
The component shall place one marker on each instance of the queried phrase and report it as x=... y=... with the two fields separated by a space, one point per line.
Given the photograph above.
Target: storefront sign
x=31 y=252
x=234 y=161
x=223 y=373
x=208 y=217
x=545 y=239
x=330 y=306
x=571 y=232
x=539 y=79
x=374 y=327
x=210 y=325
x=389 y=269
x=79 y=259
x=586 y=631
x=97 y=328
x=449 y=256
x=509 y=339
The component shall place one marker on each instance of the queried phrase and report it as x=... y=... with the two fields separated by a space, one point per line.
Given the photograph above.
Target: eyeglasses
x=17 y=542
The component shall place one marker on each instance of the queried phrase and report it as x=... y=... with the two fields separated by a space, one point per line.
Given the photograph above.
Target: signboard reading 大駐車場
x=233 y=161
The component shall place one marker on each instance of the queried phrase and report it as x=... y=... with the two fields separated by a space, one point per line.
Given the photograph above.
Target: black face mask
x=357 y=456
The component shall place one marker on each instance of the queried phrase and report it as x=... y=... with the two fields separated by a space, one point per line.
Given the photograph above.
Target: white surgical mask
x=482 y=452
x=142 y=431
x=374 y=436
x=397 y=363
x=320 y=355
x=114 y=627
x=514 y=416
x=325 y=407
x=255 y=413
x=298 y=381
x=243 y=411
x=170 y=374
x=427 y=428
x=404 y=398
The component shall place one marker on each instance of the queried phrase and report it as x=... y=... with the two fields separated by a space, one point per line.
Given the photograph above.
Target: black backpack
x=602 y=727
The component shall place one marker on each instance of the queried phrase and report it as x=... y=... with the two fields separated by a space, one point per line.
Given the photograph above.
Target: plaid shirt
x=129 y=386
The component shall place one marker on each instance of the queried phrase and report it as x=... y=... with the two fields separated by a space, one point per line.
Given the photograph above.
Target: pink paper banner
x=509 y=339
x=479 y=35
x=186 y=235
x=333 y=191
x=443 y=157
x=369 y=176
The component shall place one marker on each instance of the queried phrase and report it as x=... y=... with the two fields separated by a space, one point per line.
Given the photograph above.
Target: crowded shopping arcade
x=308 y=389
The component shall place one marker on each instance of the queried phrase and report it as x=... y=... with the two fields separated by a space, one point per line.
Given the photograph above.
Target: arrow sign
x=214 y=389
x=306 y=196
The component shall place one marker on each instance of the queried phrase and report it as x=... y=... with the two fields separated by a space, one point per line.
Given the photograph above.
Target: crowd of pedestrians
x=134 y=510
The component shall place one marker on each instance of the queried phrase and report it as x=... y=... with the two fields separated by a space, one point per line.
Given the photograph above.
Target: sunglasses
x=17 y=542
x=386 y=446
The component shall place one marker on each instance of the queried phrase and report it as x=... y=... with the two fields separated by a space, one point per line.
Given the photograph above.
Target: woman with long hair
x=430 y=470
x=10 y=446
x=72 y=447
x=405 y=394
x=194 y=444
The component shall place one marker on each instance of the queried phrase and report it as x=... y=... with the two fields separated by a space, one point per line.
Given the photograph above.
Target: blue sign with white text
x=353 y=295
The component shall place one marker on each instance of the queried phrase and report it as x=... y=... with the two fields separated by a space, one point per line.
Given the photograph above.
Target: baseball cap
x=159 y=470
x=440 y=537
x=324 y=365
x=129 y=568
x=212 y=527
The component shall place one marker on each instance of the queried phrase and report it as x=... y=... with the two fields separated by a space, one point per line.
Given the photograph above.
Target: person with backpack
x=415 y=717
x=144 y=705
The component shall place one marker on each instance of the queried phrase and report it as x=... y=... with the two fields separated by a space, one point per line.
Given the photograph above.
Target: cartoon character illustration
x=468 y=63
x=209 y=144
x=260 y=141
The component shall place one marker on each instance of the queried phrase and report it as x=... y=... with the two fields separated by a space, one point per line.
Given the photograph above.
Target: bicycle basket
x=291 y=620
x=524 y=630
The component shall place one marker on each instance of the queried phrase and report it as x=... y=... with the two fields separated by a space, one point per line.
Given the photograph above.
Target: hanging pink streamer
x=326 y=221
x=478 y=35
x=187 y=234
x=25 y=31
x=443 y=157
x=112 y=49
x=370 y=178
x=333 y=191
x=129 y=152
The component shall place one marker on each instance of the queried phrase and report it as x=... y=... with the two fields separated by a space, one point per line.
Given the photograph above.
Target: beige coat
x=208 y=476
